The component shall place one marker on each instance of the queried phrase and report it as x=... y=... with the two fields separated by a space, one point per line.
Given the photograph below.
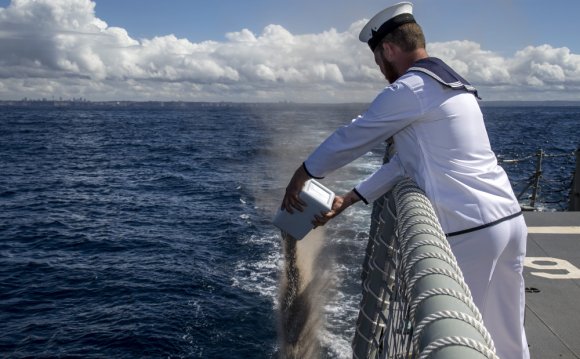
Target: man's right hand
x=292 y=198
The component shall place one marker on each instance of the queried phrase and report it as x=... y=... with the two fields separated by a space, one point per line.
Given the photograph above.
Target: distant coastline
x=86 y=104
x=530 y=103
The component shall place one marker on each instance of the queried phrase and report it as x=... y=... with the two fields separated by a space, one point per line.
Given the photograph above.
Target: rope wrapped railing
x=415 y=302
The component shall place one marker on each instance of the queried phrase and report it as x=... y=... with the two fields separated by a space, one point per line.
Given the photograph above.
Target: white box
x=318 y=199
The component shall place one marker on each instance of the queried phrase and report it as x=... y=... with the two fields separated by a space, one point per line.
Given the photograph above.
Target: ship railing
x=415 y=302
x=543 y=190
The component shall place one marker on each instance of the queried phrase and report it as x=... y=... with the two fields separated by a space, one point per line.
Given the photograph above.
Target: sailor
x=440 y=140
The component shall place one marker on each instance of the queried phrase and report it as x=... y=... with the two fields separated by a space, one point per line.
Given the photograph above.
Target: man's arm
x=394 y=109
x=382 y=180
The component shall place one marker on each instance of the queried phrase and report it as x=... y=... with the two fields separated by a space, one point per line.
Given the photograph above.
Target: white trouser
x=492 y=261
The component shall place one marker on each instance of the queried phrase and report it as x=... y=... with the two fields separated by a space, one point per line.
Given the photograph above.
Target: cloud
x=467 y=58
x=61 y=48
x=547 y=66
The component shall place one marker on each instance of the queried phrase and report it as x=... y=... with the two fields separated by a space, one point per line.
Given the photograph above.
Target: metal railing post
x=537 y=177
x=574 y=204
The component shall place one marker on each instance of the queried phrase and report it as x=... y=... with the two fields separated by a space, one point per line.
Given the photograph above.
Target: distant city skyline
x=271 y=51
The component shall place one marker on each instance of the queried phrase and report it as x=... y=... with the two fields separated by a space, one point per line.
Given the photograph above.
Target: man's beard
x=390 y=71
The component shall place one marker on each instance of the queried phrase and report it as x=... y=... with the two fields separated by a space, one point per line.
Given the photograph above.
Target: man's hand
x=340 y=204
x=292 y=199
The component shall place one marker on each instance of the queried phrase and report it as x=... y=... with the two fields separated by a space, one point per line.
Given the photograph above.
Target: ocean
x=146 y=232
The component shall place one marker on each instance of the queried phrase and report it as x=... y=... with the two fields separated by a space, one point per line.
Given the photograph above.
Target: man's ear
x=380 y=50
x=389 y=50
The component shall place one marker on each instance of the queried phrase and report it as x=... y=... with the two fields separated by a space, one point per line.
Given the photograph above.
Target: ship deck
x=552 y=275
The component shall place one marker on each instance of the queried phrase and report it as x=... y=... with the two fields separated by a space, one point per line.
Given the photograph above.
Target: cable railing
x=550 y=188
x=415 y=302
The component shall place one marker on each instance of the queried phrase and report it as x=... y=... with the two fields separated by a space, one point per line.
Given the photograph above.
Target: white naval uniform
x=441 y=143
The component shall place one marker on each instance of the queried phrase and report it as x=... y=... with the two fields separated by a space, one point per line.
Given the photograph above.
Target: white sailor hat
x=386 y=21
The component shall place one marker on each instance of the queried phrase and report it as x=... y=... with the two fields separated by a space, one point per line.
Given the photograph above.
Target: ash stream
x=304 y=286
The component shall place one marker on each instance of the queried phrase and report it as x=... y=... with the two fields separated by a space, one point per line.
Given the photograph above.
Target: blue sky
x=500 y=25
x=199 y=50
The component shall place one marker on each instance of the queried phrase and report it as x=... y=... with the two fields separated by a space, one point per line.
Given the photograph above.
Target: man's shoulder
x=402 y=96
x=399 y=90
x=406 y=89
x=414 y=81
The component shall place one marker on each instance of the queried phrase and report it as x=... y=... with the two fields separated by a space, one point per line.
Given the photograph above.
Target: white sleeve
x=381 y=181
x=393 y=109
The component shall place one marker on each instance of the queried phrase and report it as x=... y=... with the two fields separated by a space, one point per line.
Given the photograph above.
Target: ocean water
x=145 y=233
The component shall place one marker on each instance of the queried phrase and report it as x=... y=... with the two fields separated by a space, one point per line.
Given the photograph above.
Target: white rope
x=434 y=230
x=379 y=241
x=409 y=267
x=442 y=271
x=405 y=225
x=405 y=213
x=373 y=341
x=457 y=341
x=417 y=234
x=374 y=322
x=408 y=197
x=410 y=244
x=450 y=314
x=375 y=295
x=444 y=291
x=418 y=222
x=427 y=242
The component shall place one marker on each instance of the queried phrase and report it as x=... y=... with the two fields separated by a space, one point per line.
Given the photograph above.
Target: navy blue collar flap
x=441 y=72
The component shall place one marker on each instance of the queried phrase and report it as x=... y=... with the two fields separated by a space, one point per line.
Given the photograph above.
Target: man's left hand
x=340 y=204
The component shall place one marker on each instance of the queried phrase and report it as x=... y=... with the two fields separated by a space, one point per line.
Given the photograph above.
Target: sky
x=273 y=50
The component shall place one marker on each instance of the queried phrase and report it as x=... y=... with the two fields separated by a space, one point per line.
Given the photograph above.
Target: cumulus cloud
x=535 y=73
x=61 y=48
